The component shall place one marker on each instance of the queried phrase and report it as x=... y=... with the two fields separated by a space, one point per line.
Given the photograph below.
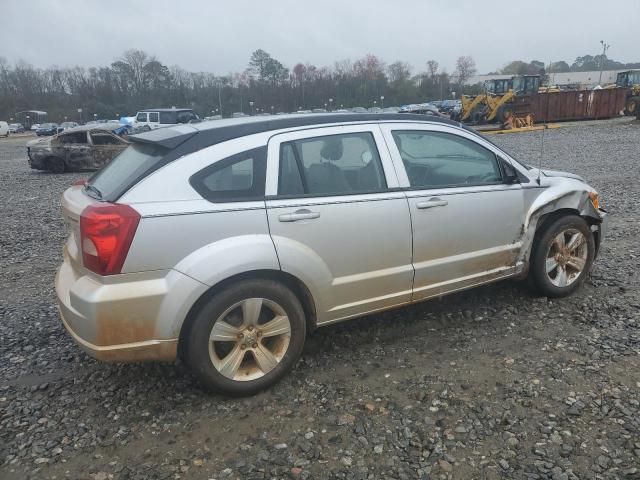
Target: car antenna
x=544 y=127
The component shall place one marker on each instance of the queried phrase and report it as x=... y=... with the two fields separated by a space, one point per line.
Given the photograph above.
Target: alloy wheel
x=249 y=339
x=566 y=257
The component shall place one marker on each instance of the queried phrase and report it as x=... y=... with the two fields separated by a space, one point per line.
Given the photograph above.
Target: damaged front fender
x=560 y=194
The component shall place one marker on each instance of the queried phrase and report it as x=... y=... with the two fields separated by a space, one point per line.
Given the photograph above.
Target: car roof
x=108 y=127
x=204 y=134
x=167 y=110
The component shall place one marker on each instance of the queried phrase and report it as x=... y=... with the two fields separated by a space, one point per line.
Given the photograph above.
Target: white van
x=4 y=129
x=163 y=117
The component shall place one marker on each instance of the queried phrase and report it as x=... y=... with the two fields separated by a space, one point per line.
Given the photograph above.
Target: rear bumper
x=162 y=350
x=135 y=318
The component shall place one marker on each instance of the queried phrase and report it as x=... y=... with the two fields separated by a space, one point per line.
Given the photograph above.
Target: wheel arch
x=296 y=285
x=573 y=202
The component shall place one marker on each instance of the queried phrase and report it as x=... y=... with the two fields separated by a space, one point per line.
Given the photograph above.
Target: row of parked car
x=9 y=128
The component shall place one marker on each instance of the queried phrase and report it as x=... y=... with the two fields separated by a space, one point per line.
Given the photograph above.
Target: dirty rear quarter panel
x=209 y=242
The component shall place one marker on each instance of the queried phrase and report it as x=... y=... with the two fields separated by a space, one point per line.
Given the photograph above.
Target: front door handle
x=432 y=202
x=298 y=215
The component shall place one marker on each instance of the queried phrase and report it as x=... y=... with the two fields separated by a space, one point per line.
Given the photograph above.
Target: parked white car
x=4 y=129
x=228 y=242
x=163 y=117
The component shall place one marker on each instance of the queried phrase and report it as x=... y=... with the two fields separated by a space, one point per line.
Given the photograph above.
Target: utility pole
x=220 y=96
x=605 y=47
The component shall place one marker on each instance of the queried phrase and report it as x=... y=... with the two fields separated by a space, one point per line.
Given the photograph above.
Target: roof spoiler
x=169 y=137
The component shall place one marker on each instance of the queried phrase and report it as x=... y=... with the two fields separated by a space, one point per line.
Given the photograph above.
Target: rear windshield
x=126 y=168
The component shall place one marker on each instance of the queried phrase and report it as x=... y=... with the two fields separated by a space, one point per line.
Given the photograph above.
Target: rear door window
x=153 y=117
x=331 y=165
x=73 y=138
x=104 y=139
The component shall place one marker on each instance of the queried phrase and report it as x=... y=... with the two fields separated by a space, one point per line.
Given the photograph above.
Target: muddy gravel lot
x=490 y=383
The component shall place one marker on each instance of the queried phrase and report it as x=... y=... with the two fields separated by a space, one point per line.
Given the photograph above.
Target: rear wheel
x=247 y=337
x=56 y=165
x=562 y=256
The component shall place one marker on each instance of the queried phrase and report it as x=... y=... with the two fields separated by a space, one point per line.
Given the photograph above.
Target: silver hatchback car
x=227 y=242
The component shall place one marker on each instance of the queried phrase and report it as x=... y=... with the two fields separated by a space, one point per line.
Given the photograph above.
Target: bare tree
x=432 y=68
x=465 y=68
x=399 y=71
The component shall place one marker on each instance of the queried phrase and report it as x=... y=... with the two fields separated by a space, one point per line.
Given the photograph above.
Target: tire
x=632 y=106
x=478 y=117
x=56 y=165
x=504 y=113
x=568 y=267
x=211 y=361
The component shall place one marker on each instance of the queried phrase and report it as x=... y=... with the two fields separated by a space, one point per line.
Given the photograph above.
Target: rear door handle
x=298 y=215
x=432 y=202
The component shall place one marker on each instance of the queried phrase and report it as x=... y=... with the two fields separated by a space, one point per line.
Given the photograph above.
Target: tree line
x=585 y=63
x=138 y=80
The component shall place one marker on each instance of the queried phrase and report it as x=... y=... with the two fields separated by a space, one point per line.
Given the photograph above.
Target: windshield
x=128 y=166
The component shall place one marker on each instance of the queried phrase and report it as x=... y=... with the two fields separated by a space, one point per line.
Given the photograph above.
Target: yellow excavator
x=495 y=103
x=631 y=80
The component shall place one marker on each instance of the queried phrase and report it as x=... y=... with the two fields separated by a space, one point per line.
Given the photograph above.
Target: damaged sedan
x=227 y=242
x=89 y=147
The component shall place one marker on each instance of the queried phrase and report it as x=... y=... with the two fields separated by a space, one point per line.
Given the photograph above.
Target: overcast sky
x=219 y=36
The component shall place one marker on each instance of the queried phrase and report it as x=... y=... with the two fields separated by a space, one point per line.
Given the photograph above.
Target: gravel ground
x=489 y=383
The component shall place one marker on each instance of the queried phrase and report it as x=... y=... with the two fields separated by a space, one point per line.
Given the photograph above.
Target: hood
x=557 y=173
x=40 y=143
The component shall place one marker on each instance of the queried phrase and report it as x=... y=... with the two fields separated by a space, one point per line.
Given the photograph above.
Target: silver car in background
x=227 y=242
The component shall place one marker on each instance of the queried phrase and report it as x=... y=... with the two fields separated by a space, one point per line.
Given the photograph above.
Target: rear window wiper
x=96 y=193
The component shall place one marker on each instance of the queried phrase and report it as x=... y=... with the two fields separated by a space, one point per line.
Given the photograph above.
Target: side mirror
x=510 y=173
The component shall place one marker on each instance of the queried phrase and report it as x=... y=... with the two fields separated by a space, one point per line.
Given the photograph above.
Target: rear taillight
x=80 y=181
x=106 y=233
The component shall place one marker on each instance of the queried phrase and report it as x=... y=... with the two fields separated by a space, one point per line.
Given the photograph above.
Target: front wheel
x=246 y=337
x=562 y=256
x=632 y=106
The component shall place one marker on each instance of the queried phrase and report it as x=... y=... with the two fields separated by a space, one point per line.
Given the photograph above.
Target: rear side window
x=153 y=117
x=331 y=165
x=240 y=177
x=131 y=163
